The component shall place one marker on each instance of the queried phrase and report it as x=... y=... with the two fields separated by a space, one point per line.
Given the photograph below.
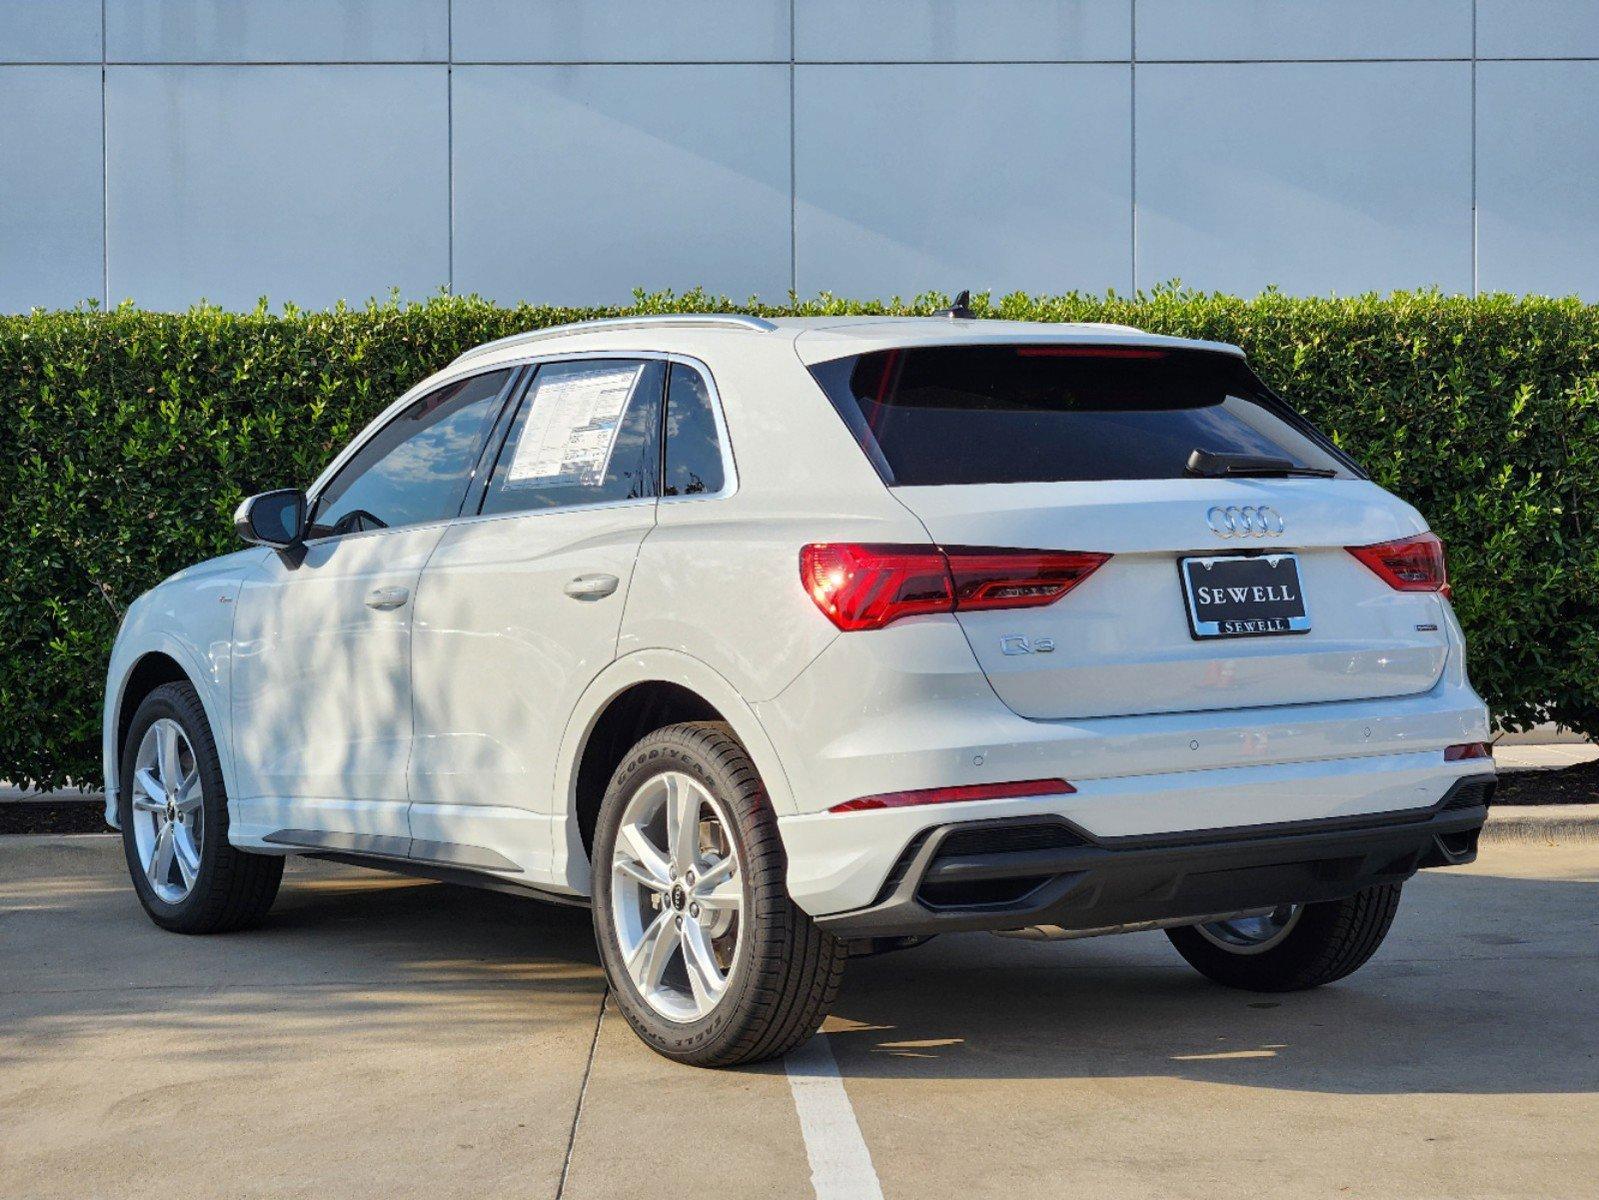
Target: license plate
x=1244 y=596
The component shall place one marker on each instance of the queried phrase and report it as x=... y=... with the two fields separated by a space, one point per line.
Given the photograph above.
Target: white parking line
x=841 y=1166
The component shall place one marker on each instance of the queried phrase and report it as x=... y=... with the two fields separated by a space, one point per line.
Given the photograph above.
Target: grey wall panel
x=938 y=145
x=915 y=178
x=51 y=252
x=50 y=31
x=1315 y=177
x=1276 y=29
x=941 y=31
x=578 y=184
x=1538 y=178
x=310 y=184
x=277 y=30
x=621 y=30
x=1537 y=28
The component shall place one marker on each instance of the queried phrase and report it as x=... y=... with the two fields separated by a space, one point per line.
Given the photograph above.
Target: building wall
x=568 y=151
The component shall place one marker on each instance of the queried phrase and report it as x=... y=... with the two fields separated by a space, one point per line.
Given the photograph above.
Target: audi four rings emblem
x=1248 y=521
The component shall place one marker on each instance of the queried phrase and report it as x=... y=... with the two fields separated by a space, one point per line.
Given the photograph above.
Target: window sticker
x=571 y=427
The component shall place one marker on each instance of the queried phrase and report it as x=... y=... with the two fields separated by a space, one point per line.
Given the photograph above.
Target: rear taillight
x=867 y=586
x=954 y=795
x=1468 y=750
x=1017 y=578
x=1413 y=564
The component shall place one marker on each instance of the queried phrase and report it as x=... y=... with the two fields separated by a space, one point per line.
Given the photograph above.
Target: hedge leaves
x=130 y=436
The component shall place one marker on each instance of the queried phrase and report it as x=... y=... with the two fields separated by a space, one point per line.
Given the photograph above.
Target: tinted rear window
x=1039 y=413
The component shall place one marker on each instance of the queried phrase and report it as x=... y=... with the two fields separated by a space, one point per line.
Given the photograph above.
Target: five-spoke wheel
x=1253 y=934
x=1292 y=946
x=172 y=807
x=708 y=958
x=677 y=896
x=168 y=810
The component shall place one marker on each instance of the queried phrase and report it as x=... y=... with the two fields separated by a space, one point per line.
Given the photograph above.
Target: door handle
x=385 y=598
x=592 y=587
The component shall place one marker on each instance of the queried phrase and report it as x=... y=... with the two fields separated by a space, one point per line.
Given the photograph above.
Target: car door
x=322 y=637
x=520 y=608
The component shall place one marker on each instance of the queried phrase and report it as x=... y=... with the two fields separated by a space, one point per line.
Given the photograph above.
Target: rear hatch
x=1087 y=448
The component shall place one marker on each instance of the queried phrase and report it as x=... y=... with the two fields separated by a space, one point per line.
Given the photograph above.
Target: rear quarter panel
x=718 y=579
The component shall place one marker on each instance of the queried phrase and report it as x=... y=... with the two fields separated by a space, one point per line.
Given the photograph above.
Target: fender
x=189 y=618
x=208 y=680
x=569 y=861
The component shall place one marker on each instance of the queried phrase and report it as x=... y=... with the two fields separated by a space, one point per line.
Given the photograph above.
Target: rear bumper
x=1046 y=870
x=907 y=707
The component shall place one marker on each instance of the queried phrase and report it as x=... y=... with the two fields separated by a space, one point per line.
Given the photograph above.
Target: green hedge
x=130 y=436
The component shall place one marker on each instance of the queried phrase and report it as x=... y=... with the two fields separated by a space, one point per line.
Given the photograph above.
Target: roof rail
x=682 y=320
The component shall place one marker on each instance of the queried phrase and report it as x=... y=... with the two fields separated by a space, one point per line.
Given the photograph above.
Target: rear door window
x=1041 y=413
x=585 y=433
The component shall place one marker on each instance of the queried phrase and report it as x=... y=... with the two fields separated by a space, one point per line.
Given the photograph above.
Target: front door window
x=416 y=468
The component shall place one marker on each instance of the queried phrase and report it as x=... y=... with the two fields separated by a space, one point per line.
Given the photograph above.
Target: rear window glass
x=1040 y=413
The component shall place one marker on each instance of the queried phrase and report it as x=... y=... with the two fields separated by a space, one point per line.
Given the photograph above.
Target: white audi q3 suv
x=782 y=641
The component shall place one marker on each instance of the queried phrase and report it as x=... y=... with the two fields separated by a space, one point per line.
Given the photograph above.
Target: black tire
x=232 y=888
x=789 y=971
x=1328 y=942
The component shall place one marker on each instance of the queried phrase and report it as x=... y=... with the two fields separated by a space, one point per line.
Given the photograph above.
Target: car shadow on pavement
x=1486 y=985
x=345 y=956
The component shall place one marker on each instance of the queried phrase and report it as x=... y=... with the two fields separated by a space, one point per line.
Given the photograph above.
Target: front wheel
x=711 y=963
x=173 y=810
x=1293 y=947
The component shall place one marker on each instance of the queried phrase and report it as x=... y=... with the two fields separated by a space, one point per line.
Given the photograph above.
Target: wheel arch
x=149 y=672
x=159 y=663
x=631 y=698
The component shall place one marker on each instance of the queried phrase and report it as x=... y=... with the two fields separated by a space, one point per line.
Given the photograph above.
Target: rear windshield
x=1039 y=413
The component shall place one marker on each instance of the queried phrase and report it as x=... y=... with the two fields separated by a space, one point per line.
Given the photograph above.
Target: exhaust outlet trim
x=1055 y=933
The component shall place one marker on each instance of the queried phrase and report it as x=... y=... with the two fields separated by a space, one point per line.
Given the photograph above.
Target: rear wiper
x=1207 y=464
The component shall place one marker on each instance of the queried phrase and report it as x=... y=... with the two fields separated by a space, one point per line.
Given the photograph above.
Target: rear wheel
x=711 y=963
x=1293 y=947
x=173 y=810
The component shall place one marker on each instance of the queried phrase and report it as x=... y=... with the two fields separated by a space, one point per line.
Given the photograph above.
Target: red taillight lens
x=1017 y=578
x=954 y=795
x=867 y=586
x=1413 y=564
x=1468 y=750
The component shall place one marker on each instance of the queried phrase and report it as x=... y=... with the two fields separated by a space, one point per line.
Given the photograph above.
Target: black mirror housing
x=275 y=519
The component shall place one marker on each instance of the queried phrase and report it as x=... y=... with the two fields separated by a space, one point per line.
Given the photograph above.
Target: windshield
x=1040 y=413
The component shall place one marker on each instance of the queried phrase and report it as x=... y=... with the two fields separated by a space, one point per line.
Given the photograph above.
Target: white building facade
x=568 y=151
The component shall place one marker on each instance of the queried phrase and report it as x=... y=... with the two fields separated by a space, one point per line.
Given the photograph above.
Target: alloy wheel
x=168 y=814
x=677 y=896
x=1255 y=933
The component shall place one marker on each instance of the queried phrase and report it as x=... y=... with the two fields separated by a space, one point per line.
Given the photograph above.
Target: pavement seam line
x=841 y=1165
x=582 y=1094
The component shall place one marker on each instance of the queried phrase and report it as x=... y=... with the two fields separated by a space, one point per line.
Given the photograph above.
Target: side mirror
x=275 y=519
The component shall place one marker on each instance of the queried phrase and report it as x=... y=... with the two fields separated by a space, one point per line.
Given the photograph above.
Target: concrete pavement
x=384 y=1037
x=1545 y=824
x=1522 y=756
x=372 y=1041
